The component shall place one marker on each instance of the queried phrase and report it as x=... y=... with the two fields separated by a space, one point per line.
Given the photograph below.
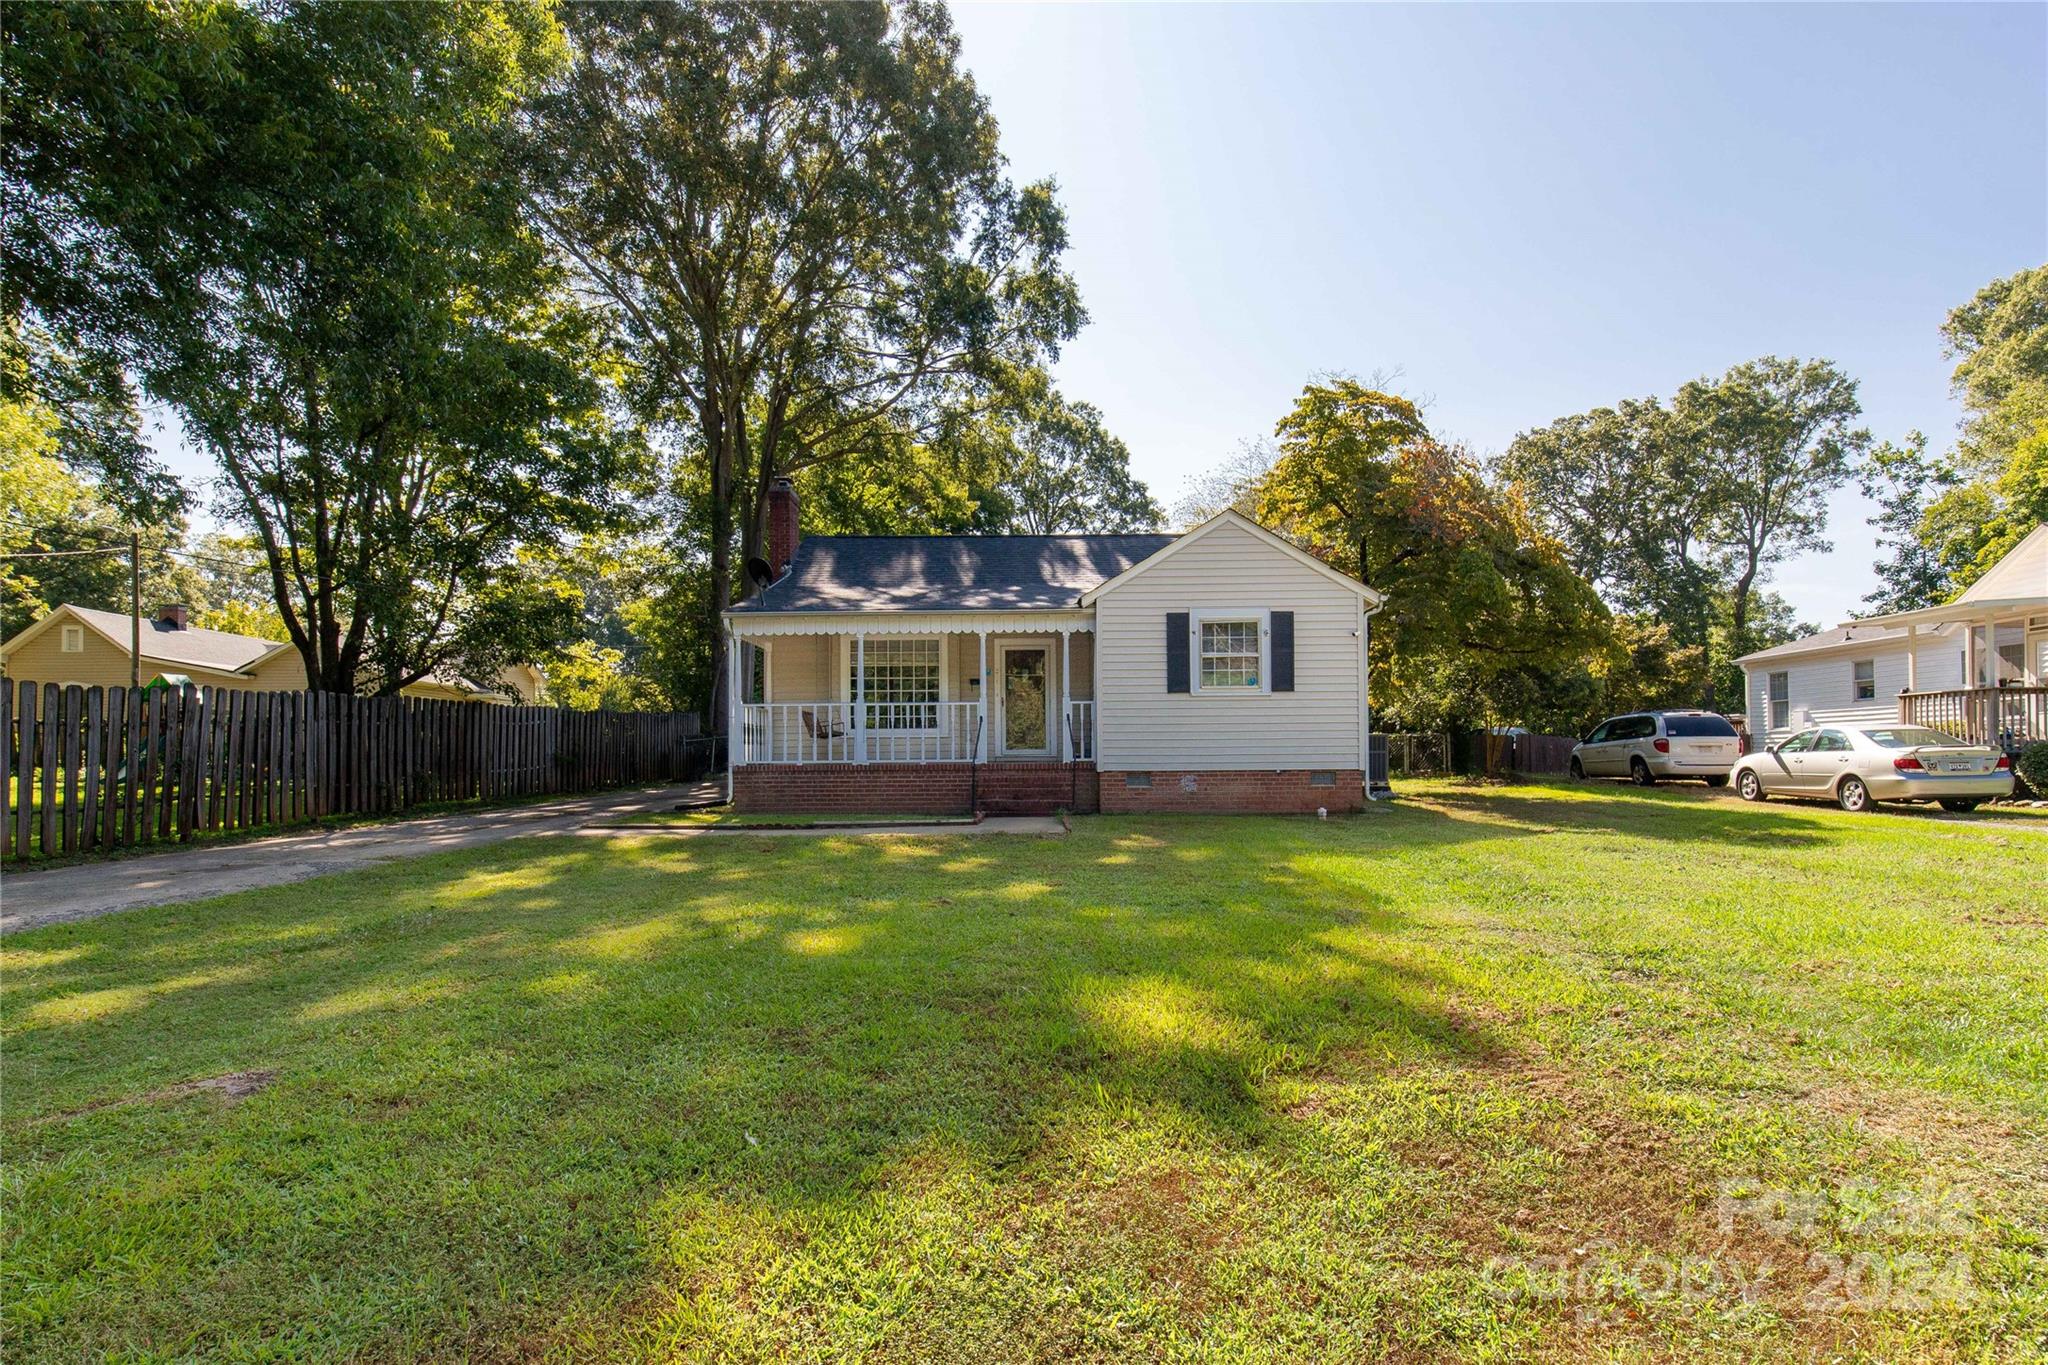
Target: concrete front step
x=1008 y=806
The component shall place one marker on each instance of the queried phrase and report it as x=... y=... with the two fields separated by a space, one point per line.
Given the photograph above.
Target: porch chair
x=822 y=727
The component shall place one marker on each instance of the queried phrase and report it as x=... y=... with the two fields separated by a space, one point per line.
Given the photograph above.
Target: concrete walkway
x=55 y=895
x=995 y=824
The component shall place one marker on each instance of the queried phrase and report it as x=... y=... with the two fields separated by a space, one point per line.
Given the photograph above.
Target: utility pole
x=134 y=609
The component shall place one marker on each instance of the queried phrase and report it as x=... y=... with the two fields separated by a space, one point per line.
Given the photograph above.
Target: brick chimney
x=782 y=525
x=171 y=617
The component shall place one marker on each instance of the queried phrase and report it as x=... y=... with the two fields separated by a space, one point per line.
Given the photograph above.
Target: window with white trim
x=73 y=639
x=1781 y=700
x=1231 y=653
x=1863 y=679
x=902 y=685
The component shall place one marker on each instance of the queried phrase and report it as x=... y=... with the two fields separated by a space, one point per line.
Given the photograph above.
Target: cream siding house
x=1222 y=669
x=86 y=647
x=1976 y=667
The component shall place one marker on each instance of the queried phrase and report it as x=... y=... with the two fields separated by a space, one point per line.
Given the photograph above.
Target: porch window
x=753 y=673
x=1865 y=679
x=902 y=691
x=1781 y=700
x=1230 y=655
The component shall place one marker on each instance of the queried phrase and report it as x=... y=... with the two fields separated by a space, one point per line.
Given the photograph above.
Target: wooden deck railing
x=2005 y=716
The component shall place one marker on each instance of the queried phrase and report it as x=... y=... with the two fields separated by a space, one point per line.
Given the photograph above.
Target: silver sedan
x=1856 y=766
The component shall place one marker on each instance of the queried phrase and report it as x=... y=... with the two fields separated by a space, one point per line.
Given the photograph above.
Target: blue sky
x=1526 y=210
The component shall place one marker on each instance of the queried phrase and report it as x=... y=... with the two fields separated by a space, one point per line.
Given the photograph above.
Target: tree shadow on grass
x=1670 y=816
x=542 y=1043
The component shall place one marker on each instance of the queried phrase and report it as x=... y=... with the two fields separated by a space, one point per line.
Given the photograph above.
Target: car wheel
x=1959 y=805
x=1853 y=796
x=1578 y=771
x=1720 y=781
x=1749 y=786
x=1640 y=774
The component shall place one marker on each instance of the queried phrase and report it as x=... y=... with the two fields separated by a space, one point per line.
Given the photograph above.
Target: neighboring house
x=1976 y=667
x=90 y=648
x=1222 y=670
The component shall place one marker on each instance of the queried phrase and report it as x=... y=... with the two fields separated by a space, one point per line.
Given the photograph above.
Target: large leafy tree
x=799 y=216
x=66 y=512
x=1631 y=492
x=1678 y=512
x=1477 y=594
x=2000 y=343
x=349 y=312
x=1783 y=436
x=1946 y=519
x=1984 y=497
x=1902 y=479
x=1055 y=468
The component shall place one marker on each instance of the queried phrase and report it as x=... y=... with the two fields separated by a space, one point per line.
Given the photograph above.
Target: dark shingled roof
x=218 y=650
x=949 y=573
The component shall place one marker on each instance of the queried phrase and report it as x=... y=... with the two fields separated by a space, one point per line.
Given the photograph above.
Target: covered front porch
x=2004 y=667
x=900 y=711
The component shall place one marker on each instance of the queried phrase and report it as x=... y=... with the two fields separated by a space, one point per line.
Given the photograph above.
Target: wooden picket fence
x=88 y=768
x=1475 y=751
x=1542 y=755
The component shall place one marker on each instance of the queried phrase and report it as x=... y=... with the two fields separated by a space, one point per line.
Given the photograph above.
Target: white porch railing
x=2009 y=716
x=874 y=732
x=1081 y=717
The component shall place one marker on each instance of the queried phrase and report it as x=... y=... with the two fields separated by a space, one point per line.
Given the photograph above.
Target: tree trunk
x=1738 y=625
x=717 y=443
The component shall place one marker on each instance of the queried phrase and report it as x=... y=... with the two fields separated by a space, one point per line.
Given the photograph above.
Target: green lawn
x=1493 y=1072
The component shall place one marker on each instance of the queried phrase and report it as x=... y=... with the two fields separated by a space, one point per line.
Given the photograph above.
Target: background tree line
x=1619 y=559
x=497 y=320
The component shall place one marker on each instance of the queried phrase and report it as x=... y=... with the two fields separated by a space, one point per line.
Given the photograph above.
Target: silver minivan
x=1650 y=745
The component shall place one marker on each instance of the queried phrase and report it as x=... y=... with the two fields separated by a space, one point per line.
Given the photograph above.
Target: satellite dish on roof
x=758 y=571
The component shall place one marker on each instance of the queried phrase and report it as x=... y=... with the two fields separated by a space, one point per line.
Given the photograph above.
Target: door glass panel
x=1024 y=699
x=2009 y=648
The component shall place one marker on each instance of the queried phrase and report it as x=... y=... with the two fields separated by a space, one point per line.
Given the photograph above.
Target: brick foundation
x=1233 y=792
x=908 y=788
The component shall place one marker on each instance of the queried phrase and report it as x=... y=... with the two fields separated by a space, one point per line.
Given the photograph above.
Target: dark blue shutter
x=1176 y=651
x=1283 y=651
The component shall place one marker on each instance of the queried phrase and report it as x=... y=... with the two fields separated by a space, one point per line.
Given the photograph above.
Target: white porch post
x=735 y=738
x=981 y=695
x=860 y=696
x=1066 y=697
x=1912 y=656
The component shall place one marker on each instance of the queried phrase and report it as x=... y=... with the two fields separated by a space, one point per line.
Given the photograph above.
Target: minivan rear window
x=1696 y=727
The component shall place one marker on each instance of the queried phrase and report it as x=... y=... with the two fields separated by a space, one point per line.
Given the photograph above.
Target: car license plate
x=1961 y=765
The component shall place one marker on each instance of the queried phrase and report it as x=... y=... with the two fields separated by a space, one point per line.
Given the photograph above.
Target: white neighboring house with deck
x=1976 y=668
x=1223 y=669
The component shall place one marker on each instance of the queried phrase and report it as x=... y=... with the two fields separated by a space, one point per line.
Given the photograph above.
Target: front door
x=1024 y=702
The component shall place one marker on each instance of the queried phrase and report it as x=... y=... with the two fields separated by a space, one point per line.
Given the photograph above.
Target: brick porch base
x=1234 y=792
x=910 y=788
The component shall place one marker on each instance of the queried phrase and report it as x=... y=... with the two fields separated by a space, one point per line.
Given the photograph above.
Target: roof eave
x=1954 y=612
x=756 y=614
